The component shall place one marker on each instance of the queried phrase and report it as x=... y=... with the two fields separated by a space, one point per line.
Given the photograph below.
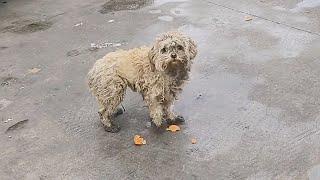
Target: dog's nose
x=173 y=55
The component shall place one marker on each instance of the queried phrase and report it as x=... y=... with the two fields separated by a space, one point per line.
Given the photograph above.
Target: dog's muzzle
x=173 y=63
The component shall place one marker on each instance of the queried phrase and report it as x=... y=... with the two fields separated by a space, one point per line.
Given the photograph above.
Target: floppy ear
x=192 y=48
x=151 y=55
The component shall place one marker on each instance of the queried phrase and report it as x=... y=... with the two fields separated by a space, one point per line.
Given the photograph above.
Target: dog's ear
x=152 y=53
x=192 y=47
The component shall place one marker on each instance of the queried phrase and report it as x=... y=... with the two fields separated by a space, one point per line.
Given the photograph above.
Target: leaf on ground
x=248 y=18
x=18 y=125
x=194 y=141
x=138 y=140
x=34 y=70
x=173 y=128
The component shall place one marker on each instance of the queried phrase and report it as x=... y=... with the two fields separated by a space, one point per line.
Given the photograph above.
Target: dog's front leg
x=156 y=113
x=170 y=116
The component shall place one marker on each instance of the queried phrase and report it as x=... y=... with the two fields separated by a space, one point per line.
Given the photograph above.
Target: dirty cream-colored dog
x=157 y=73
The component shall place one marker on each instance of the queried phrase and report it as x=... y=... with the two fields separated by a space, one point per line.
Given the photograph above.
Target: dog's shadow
x=161 y=146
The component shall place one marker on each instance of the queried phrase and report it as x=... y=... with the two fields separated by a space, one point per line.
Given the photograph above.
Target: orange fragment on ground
x=173 y=128
x=193 y=141
x=138 y=140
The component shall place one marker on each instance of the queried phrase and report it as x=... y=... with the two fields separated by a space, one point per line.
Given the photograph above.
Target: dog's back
x=126 y=64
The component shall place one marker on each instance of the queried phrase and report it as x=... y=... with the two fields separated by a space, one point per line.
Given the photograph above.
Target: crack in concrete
x=264 y=18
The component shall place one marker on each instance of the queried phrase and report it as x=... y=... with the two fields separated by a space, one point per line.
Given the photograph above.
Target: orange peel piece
x=173 y=128
x=138 y=140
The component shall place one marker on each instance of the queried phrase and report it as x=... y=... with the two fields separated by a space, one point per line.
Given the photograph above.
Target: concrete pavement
x=252 y=103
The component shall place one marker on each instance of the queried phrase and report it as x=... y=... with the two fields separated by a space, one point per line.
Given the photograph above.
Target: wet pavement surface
x=252 y=103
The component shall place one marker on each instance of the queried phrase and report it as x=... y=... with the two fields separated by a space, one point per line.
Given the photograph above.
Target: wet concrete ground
x=252 y=103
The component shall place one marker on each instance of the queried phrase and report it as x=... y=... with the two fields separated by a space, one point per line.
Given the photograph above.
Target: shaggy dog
x=157 y=73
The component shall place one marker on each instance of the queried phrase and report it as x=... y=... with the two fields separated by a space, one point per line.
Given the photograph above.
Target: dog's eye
x=180 y=47
x=163 y=50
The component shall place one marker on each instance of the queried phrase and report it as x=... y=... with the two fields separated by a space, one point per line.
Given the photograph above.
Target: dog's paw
x=178 y=119
x=112 y=129
x=118 y=112
x=158 y=123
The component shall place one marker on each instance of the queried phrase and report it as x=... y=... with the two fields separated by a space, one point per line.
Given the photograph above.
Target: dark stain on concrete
x=73 y=52
x=117 y=5
x=6 y=81
x=27 y=26
x=35 y=26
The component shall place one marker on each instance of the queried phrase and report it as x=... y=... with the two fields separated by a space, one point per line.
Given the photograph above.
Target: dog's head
x=172 y=51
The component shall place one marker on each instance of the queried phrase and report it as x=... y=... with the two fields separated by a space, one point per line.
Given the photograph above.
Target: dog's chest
x=158 y=86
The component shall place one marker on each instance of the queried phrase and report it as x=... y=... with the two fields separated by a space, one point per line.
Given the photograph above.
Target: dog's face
x=172 y=52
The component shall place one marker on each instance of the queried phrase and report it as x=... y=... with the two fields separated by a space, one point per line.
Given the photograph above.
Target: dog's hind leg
x=118 y=111
x=112 y=96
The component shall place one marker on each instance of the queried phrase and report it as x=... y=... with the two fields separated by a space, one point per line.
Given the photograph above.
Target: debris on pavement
x=248 y=18
x=111 y=21
x=193 y=141
x=199 y=96
x=138 y=140
x=34 y=70
x=6 y=121
x=78 y=24
x=104 y=45
x=173 y=128
x=18 y=125
x=148 y=124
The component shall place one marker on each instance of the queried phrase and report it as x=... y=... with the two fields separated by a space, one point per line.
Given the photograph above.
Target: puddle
x=314 y=173
x=306 y=4
x=155 y=11
x=176 y=11
x=162 y=2
x=112 y=6
x=165 y=18
x=27 y=26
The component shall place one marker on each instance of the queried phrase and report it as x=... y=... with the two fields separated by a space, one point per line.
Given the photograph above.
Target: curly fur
x=157 y=73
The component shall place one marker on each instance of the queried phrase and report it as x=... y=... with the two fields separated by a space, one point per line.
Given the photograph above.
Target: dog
x=157 y=73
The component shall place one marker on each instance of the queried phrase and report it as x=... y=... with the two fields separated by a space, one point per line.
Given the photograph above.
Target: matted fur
x=157 y=73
